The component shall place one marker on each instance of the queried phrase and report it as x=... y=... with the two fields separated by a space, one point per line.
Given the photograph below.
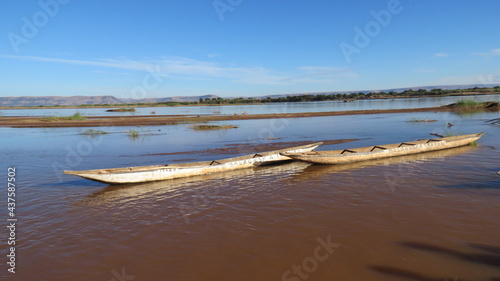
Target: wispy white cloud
x=123 y=64
x=425 y=70
x=492 y=53
x=489 y=79
x=321 y=74
x=441 y=55
x=484 y=79
x=182 y=67
x=99 y=72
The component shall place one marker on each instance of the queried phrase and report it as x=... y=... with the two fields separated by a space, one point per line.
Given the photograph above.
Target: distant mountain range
x=80 y=100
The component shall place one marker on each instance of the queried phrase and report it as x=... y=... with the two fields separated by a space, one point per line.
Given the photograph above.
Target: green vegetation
x=124 y=109
x=133 y=134
x=92 y=132
x=468 y=106
x=353 y=96
x=303 y=98
x=415 y=120
x=468 y=103
x=77 y=116
x=213 y=127
x=474 y=143
x=451 y=133
x=50 y=118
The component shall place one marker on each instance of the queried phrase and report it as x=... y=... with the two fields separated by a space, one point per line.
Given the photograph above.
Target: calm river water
x=432 y=216
x=267 y=108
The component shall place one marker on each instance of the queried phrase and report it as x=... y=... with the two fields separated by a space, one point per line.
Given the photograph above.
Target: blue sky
x=230 y=48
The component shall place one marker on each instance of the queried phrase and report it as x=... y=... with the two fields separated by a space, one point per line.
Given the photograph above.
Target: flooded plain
x=267 y=108
x=430 y=216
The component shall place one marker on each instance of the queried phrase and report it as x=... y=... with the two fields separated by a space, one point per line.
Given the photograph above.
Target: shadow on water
x=486 y=248
x=412 y=275
x=487 y=259
x=493 y=184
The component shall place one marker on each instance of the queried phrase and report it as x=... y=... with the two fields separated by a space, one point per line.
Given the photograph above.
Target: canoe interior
x=191 y=164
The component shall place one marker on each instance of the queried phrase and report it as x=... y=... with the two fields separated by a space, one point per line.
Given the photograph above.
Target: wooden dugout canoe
x=173 y=171
x=382 y=151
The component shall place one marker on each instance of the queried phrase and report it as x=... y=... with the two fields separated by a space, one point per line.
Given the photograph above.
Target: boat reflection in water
x=227 y=185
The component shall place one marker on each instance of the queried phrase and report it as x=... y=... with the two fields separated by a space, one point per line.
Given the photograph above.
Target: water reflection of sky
x=41 y=146
x=257 y=109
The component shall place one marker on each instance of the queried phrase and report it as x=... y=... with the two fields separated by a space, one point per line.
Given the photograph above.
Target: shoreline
x=158 y=120
x=179 y=103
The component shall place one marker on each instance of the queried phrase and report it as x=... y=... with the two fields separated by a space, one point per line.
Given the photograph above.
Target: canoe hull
x=166 y=172
x=383 y=151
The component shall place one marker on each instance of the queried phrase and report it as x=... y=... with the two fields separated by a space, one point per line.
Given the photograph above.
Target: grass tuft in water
x=92 y=132
x=451 y=133
x=213 y=127
x=415 y=120
x=474 y=143
x=133 y=134
x=77 y=116
x=123 y=109
x=468 y=103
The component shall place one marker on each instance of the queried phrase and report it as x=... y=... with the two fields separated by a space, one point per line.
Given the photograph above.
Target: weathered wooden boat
x=316 y=171
x=382 y=151
x=172 y=171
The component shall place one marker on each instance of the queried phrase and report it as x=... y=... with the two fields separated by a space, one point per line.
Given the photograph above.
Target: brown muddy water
x=432 y=216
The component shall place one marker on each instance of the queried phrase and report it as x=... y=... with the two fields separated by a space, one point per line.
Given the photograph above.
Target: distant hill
x=79 y=100
x=57 y=100
x=168 y=99
x=397 y=90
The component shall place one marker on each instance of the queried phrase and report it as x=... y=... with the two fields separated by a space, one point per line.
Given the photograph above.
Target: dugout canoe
x=382 y=151
x=173 y=171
